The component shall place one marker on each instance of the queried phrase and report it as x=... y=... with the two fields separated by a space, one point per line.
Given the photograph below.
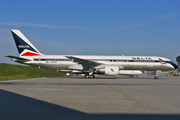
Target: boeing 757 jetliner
x=86 y=64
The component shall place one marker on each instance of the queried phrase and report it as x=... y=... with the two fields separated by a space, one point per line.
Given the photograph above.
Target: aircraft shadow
x=18 y=107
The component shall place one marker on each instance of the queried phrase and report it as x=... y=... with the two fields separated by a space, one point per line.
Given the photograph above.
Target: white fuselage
x=61 y=62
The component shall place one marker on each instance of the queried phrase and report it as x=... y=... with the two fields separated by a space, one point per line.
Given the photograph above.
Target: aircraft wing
x=18 y=58
x=85 y=63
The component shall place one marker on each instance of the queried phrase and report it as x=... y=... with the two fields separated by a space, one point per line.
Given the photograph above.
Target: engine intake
x=110 y=70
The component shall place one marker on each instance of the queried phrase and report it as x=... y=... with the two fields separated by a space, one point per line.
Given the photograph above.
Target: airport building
x=178 y=61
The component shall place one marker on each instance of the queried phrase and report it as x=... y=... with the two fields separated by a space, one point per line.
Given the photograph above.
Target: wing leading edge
x=85 y=63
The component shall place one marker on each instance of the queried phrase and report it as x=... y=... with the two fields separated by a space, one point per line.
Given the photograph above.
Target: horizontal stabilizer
x=18 y=58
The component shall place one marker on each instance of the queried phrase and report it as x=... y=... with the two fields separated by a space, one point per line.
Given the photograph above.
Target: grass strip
x=16 y=72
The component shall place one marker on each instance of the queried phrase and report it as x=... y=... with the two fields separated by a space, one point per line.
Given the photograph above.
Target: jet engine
x=110 y=70
x=76 y=67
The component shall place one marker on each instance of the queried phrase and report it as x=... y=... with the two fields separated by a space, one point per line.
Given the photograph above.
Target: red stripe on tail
x=29 y=54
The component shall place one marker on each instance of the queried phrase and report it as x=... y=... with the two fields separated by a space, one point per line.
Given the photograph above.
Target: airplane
x=89 y=65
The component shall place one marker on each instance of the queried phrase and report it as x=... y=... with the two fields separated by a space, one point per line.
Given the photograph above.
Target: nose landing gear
x=157 y=74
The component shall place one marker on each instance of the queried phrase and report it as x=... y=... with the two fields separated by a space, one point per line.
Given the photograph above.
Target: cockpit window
x=168 y=62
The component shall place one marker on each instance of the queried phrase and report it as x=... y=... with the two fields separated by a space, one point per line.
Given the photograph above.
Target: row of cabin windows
x=99 y=60
x=52 y=60
x=127 y=60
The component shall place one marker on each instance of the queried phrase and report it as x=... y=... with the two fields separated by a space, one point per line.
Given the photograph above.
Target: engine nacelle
x=130 y=72
x=76 y=67
x=111 y=70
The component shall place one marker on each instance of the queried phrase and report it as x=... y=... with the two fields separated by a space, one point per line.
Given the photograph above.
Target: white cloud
x=167 y=15
x=130 y=26
x=148 y=21
x=39 y=25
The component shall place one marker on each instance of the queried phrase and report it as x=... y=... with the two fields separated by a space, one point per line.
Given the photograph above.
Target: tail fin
x=24 y=46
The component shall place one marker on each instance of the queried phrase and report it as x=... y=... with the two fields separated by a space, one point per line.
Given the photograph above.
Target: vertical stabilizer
x=24 y=46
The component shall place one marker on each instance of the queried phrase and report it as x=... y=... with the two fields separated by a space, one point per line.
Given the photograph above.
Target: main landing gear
x=90 y=73
x=89 y=76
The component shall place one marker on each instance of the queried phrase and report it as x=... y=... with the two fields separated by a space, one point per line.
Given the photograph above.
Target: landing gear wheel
x=156 y=74
x=89 y=76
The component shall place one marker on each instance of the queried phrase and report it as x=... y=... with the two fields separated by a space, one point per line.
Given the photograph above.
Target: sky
x=93 y=27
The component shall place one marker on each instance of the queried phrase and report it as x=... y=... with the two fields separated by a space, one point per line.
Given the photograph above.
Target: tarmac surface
x=102 y=98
